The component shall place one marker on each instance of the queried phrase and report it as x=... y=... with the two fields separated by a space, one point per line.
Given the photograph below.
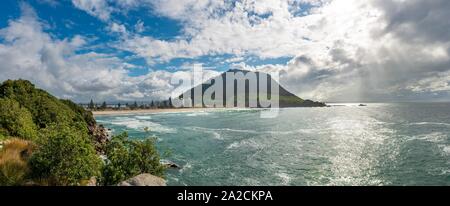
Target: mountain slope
x=252 y=93
x=45 y=108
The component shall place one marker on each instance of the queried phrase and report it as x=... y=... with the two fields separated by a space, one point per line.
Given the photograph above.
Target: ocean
x=380 y=144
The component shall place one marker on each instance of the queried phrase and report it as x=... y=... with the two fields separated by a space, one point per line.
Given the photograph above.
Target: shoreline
x=177 y=110
x=149 y=111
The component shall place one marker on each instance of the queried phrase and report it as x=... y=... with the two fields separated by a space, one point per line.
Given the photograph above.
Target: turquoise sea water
x=381 y=144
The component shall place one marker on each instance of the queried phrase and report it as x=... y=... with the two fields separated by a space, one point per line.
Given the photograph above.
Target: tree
x=91 y=105
x=170 y=102
x=87 y=116
x=104 y=105
x=152 y=104
x=16 y=121
x=64 y=157
x=44 y=108
x=128 y=158
x=119 y=105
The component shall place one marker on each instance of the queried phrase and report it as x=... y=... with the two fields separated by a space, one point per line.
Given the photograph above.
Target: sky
x=325 y=50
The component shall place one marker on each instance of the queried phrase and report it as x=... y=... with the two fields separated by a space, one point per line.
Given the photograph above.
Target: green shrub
x=16 y=120
x=87 y=116
x=65 y=156
x=44 y=108
x=128 y=158
x=2 y=136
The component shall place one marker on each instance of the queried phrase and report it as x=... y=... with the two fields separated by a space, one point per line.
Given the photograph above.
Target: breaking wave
x=141 y=124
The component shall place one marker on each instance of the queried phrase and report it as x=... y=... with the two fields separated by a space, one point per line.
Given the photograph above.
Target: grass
x=13 y=161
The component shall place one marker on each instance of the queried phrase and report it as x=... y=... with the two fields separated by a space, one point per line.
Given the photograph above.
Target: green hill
x=47 y=141
x=54 y=133
x=46 y=109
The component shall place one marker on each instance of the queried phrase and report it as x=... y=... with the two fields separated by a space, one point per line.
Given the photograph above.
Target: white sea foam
x=285 y=178
x=435 y=137
x=197 y=114
x=430 y=123
x=225 y=129
x=138 y=124
x=101 y=121
x=238 y=130
x=298 y=131
x=247 y=143
x=143 y=117
x=446 y=149
x=185 y=167
x=213 y=133
x=233 y=145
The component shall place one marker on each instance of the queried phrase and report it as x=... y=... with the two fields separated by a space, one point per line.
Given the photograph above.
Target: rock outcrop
x=170 y=165
x=144 y=180
x=101 y=137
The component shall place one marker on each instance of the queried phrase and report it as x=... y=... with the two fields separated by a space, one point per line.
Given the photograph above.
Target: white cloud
x=97 y=8
x=28 y=52
x=220 y=28
x=139 y=26
x=357 y=51
x=341 y=50
x=118 y=28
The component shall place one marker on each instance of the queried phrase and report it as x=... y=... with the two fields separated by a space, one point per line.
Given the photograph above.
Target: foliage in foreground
x=128 y=158
x=64 y=157
x=54 y=146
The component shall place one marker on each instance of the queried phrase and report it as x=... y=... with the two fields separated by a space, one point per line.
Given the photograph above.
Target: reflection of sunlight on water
x=355 y=143
x=392 y=144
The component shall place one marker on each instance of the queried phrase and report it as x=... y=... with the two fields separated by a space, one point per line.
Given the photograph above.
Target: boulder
x=101 y=137
x=144 y=180
x=92 y=182
x=170 y=165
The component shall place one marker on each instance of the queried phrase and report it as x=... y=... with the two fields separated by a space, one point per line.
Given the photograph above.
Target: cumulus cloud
x=238 y=28
x=368 y=51
x=340 y=50
x=97 y=8
x=28 y=52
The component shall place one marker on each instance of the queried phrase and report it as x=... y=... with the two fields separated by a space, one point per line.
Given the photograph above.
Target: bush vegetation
x=65 y=157
x=53 y=144
x=16 y=121
x=128 y=158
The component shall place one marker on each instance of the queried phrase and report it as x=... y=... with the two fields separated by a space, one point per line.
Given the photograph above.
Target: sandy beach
x=150 y=111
